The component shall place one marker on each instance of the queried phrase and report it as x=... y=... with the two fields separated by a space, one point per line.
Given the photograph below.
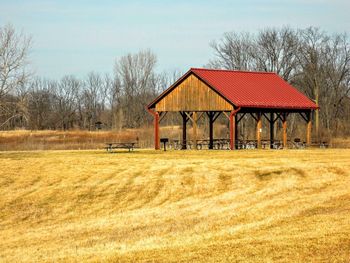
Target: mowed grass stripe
x=290 y=205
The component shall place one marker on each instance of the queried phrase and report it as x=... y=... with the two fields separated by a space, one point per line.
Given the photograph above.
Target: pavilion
x=234 y=94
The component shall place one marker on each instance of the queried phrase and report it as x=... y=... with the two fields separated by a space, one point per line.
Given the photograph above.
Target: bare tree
x=41 y=102
x=271 y=50
x=275 y=51
x=92 y=99
x=14 y=48
x=137 y=78
x=310 y=58
x=337 y=71
x=65 y=101
x=324 y=75
x=233 y=51
x=114 y=102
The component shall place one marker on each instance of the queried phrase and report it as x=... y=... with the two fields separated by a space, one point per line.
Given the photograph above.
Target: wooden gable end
x=192 y=94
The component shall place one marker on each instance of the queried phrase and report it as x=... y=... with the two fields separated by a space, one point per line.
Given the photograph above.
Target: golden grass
x=175 y=206
x=340 y=142
x=64 y=140
x=26 y=140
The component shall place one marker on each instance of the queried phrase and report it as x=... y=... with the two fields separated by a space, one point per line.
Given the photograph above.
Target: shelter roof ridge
x=235 y=71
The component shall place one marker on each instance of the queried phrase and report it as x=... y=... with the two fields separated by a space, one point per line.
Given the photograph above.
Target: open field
x=175 y=206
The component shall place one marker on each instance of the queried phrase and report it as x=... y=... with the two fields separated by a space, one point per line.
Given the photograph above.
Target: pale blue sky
x=76 y=37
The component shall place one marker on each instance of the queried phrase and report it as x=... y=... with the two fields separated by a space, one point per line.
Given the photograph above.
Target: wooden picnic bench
x=320 y=144
x=297 y=143
x=201 y=144
x=246 y=144
x=110 y=146
x=253 y=144
x=217 y=144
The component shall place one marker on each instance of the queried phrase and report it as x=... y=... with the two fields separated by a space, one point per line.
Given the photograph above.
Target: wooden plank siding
x=192 y=94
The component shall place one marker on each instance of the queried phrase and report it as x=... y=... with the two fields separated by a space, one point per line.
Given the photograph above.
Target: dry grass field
x=19 y=140
x=175 y=206
x=78 y=139
x=61 y=140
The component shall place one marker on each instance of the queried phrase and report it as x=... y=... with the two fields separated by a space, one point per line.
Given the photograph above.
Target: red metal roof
x=249 y=89
x=255 y=89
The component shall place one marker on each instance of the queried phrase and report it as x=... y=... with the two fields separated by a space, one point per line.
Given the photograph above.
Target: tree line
x=315 y=62
x=113 y=102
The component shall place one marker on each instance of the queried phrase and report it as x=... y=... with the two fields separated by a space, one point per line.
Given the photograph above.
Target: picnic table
x=297 y=143
x=320 y=144
x=110 y=146
x=253 y=144
x=201 y=144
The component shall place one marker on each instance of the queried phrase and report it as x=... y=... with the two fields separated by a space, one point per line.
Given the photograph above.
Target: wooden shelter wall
x=192 y=94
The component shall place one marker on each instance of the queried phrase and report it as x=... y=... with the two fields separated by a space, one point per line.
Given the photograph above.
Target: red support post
x=284 y=125
x=156 y=128
x=232 y=128
x=258 y=130
x=156 y=131
x=308 y=130
x=232 y=131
